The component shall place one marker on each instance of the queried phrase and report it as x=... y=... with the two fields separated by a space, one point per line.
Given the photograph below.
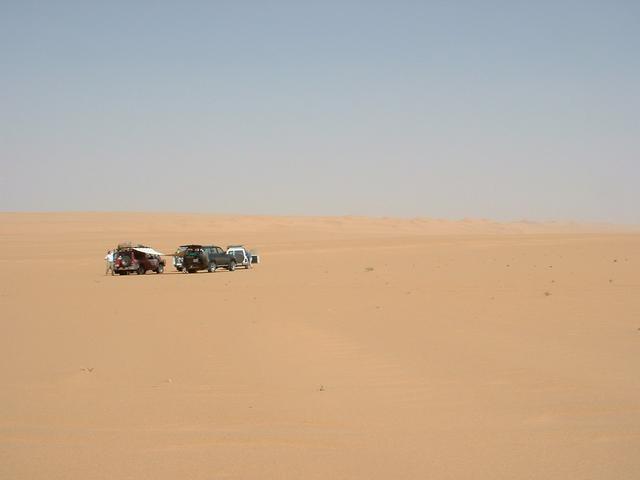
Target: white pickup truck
x=243 y=256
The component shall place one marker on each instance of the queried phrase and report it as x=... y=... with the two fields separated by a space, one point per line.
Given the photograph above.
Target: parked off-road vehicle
x=206 y=257
x=243 y=256
x=137 y=260
x=178 y=258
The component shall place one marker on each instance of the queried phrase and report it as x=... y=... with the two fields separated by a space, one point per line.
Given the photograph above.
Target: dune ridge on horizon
x=417 y=225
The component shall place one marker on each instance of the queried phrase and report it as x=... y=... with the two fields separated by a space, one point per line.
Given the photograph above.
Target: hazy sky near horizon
x=505 y=110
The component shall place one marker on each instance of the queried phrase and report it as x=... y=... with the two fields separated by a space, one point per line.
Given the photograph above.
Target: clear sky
x=505 y=110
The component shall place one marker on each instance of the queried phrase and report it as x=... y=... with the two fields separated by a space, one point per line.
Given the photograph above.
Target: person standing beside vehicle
x=109 y=258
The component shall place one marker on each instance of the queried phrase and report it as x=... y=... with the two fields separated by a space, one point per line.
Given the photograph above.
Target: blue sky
x=504 y=110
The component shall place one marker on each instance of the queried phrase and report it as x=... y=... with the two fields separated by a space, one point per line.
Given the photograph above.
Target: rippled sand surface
x=358 y=349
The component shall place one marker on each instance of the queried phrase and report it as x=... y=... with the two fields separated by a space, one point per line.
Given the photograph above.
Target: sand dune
x=359 y=348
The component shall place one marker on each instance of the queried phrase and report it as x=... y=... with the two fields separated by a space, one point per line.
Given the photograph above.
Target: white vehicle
x=243 y=256
x=178 y=259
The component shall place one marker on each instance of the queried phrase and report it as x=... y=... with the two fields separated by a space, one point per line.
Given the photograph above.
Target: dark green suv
x=206 y=257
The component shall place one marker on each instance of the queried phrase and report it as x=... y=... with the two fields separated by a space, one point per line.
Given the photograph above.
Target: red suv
x=137 y=260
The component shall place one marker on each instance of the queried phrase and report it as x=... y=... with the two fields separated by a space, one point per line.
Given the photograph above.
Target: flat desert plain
x=358 y=349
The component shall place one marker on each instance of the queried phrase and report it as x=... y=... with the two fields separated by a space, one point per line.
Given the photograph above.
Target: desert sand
x=358 y=349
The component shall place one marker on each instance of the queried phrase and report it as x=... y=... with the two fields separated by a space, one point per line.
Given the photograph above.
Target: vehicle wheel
x=160 y=269
x=179 y=269
x=212 y=267
x=141 y=270
x=232 y=265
